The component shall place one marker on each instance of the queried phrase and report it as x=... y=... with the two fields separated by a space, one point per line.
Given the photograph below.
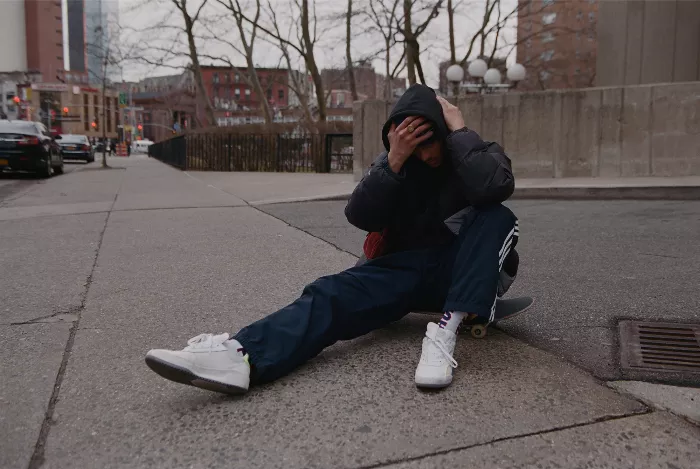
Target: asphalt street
x=586 y=263
x=98 y=266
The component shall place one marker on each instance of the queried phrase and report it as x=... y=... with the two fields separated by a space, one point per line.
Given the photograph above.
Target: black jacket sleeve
x=375 y=198
x=483 y=167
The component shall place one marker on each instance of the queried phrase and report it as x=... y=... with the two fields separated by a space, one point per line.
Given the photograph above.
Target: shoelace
x=441 y=347
x=202 y=341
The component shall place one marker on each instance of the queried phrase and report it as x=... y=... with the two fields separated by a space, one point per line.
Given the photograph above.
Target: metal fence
x=320 y=153
x=172 y=151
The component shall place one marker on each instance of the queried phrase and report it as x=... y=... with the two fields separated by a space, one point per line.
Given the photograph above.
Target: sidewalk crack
x=605 y=418
x=37 y=459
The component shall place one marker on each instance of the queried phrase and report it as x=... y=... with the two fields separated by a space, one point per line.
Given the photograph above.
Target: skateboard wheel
x=478 y=331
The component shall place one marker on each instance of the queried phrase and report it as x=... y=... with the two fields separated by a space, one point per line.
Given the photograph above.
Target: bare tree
x=411 y=33
x=383 y=19
x=307 y=25
x=247 y=38
x=111 y=53
x=348 y=53
x=190 y=20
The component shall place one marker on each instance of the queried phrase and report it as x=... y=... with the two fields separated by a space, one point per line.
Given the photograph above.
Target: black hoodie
x=413 y=204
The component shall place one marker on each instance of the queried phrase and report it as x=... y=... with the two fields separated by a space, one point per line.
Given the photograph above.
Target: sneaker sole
x=184 y=376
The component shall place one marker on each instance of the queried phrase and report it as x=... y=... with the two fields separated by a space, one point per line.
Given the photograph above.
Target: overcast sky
x=151 y=27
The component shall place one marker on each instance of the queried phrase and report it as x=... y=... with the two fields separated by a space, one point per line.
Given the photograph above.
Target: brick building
x=31 y=34
x=369 y=83
x=557 y=43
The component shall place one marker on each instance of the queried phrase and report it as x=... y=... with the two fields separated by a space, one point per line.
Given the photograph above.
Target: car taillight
x=28 y=141
x=85 y=147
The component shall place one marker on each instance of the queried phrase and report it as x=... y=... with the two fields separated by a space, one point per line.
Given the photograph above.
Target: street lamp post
x=455 y=75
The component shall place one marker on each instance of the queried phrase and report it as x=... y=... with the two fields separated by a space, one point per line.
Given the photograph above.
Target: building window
x=215 y=78
x=340 y=100
x=227 y=78
x=247 y=94
x=544 y=75
x=549 y=18
x=546 y=3
x=236 y=78
x=577 y=71
x=590 y=36
x=280 y=94
x=547 y=37
x=237 y=93
x=547 y=55
x=591 y=17
x=86 y=112
x=578 y=54
x=579 y=15
x=227 y=92
x=528 y=43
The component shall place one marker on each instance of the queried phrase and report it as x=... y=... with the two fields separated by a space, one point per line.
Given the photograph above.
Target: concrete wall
x=644 y=130
x=648 y=41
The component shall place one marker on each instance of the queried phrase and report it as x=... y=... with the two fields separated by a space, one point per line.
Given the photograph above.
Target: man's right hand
x=404 y=139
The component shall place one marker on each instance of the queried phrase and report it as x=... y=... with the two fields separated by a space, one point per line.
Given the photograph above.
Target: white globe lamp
x=477 y=68
x=516 y=73
x=454 y=73
x=492 y=77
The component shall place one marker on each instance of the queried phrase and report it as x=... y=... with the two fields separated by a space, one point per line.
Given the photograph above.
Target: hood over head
x=418 y=100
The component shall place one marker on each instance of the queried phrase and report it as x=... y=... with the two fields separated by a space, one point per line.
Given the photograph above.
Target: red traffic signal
x=94 y=124
x=16 y=99
x=140 y=127
x=65 y=110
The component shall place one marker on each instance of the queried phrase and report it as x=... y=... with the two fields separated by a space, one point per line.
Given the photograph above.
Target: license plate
x=4 y=162
x=71 y=147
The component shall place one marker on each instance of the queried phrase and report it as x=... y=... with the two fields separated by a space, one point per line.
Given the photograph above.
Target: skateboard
x=505 y=309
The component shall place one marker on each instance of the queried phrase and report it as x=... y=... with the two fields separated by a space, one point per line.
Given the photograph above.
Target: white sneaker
x=435 y=367
x=209 y=362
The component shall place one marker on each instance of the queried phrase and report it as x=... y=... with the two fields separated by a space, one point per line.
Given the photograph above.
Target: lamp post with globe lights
x=455 y=75
x=516 y=74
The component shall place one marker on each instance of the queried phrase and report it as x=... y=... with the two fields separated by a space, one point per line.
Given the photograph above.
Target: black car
x=76 y=147
x=28 y=146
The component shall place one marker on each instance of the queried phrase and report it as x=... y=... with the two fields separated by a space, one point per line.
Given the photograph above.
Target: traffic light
x=65 y=111
x=16 y=99
x=94 y=124
x=140 y=127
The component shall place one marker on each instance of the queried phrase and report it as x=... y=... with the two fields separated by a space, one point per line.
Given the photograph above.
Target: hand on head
x=404 y=138
x=453 y=116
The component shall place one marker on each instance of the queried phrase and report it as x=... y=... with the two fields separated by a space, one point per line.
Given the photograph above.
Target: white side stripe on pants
x=502 y=254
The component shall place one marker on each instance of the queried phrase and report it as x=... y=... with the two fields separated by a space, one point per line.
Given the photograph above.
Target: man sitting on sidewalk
x=434 y=168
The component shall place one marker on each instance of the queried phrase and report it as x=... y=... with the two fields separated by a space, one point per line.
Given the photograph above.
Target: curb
x=609 y=193
x=320 y=198
x=556 y=193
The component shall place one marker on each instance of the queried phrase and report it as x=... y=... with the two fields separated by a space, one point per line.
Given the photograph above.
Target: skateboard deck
x=505 y=309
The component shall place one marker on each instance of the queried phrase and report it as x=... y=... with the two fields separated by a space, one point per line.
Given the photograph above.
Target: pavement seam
x=37 y=459
x=605 y=418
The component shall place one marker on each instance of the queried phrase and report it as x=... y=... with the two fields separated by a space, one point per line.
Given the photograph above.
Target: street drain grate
x=660 y=346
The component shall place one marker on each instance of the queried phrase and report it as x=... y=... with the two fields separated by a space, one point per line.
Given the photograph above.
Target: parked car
x=28 y=146
x=76 y=147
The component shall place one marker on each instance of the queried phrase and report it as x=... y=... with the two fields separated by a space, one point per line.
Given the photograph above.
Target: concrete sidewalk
x=166 y=257
x=269 y=188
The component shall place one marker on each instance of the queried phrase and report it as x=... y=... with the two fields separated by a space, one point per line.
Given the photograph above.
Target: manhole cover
x=660 y=346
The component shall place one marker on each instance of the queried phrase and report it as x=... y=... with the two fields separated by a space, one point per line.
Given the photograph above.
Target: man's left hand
x=453 y=116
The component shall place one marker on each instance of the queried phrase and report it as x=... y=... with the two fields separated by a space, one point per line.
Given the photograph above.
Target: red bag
x=375 y=244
